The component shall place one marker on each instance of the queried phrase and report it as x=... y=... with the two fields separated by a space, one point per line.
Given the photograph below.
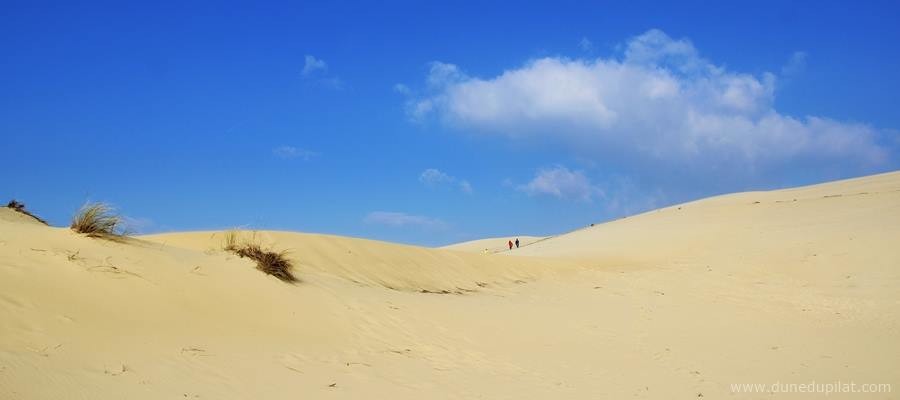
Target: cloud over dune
x=435 y=177
x=658 y=100
x=312 y=64
x=400 y=219
x=294 y=152
x=562 y=183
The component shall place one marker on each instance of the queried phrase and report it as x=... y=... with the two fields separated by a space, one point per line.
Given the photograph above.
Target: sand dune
x=787 y=286
x=373 y=263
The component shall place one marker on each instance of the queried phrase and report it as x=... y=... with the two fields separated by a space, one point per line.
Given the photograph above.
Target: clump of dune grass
x=19 y=207
x=98 y=220
x=271 y=262
x=231 y=241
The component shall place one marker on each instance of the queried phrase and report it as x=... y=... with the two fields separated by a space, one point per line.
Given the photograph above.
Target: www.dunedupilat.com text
x=825 y=388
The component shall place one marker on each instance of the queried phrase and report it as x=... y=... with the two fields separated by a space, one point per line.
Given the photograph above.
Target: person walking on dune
x=517 y=243
x=510 y=244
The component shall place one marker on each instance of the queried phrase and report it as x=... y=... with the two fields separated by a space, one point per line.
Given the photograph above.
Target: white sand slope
x=675 y=303
x=493 y=245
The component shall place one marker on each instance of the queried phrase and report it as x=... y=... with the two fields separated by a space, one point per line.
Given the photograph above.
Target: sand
x=788 y=286
x=494 y=245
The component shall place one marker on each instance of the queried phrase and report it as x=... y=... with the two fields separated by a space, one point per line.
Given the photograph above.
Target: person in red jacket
x=510 y=244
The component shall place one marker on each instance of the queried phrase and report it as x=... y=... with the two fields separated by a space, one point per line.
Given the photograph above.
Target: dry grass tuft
x=19 y=207
x=231 y=241
x=273 y=263
x=98 y=220
x=270 y=262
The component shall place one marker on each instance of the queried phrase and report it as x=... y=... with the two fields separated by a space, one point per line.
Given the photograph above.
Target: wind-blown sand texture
x=784 y=286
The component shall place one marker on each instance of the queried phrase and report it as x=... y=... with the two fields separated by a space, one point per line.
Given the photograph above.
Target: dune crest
x=493 y=245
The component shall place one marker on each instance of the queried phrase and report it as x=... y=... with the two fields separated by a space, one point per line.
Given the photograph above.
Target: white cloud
x=399 y=219
x=294 y=152
x=442 y=74
x=795 y=65
x=659 y=101
x=402 y=89
x=433 y=176
x=585 y=44
x=313 y=64
x=315 y=70
x=562 y=183
x=436 y=177
x=465 y=186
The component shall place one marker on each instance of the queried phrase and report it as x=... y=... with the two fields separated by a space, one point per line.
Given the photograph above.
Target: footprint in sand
x=292 y=362
x=116 y=372
x=194 y=351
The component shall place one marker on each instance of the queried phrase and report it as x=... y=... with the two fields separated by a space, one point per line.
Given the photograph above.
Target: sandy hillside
x=493 y=245
x=789 y=286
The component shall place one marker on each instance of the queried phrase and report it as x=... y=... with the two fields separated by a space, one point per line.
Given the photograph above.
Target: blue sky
x=435 y=123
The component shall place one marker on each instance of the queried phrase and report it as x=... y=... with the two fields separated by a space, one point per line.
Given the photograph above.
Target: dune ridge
x=493 y=245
